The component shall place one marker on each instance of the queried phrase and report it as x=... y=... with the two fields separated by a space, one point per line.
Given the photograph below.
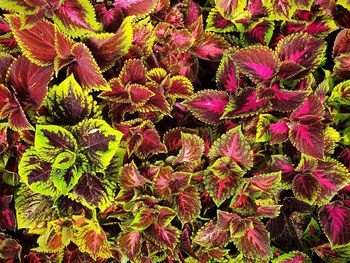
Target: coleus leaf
x=99 y=141
x=107 y=47
x=168 y=182
x=333 y=219
x=143 y=219
x=5 y=63
x=210 y=235
x=310 y=112
x=7 y=215
x=278 y=132
x=254 y=242
x=292 y=257
x=35 y=173
x=258 y=63
x=90 y=190
x=182 y=39
x=50 y=140
x=332 y=177
x=260 y=32
x=165 y=237
x=69 y=104
x=10 y=249
x=230 y=9
x=110 y=18
x=17 y=6
x=217 y=23
x=136 y=7
x=245 y=103
x=188 y=204
x=130 y=178
x=93 y=240
x=306 y=187
x=76 y=18
x=208 y=105
x=179 y=87
x=65 y=179
x=210 y=46
x=29 y=81
x=308 y=139
x=86 y=70
x=341 y=43
x=341 y=65
x=33 y=208
x=264 y=186
x=130 y=243
x=223 y=180
x=303 y=49
x=227 y=77
x=192 y=148
x=233 y=145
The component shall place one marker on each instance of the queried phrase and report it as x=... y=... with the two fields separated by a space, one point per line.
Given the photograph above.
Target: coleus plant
x=174 y=131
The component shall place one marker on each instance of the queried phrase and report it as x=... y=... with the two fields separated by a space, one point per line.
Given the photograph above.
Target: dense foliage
x=175 y=131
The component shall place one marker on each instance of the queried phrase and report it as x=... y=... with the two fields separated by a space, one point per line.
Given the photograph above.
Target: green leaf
x=66 y=179
x=64 y=160
x=50 y=140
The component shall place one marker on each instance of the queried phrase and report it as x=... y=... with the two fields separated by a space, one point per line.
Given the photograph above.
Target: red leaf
x=30 y=81
x=188 y=204
x=86 y=70
x=163 y=236
x=130 y=177
x=130 y=243
x=38 y=42
x=192 y=148
x=334 y=219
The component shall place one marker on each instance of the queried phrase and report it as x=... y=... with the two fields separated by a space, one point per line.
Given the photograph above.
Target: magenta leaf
x=334 y=221
x=136 y=7
x=76 y=17
x=244 y=104
x=208 y=105
x=86 y=70
x=258 y=63
x=308 y=139
x=303 y=49
x=278 y=132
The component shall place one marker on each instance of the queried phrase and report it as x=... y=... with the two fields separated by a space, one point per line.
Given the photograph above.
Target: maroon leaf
x=169 y=182
x=86 y=70
x=286 y=100
x=260 y=32
x=217 y=23
x=208 y=105
x=342 y=43
x=283 y=164
x=335 y=223
x=90 y=188
x=110 y=18
x=188 y=204
x=212 y=236
x=5 y=62
x=259 y=63
x=10 y=249
x=306 y=187
x=7 y=216
x=308 y=139
x=342 y=65
x=311 y=111
x=192 y=148
x=289 y=69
